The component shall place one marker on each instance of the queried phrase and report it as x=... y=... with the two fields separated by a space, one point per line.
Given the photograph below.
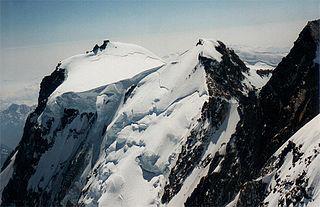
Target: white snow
x=116 y=62
x=208 y=49
x=105 y=102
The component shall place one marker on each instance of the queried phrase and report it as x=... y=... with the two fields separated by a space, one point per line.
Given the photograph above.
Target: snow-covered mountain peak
x=108 y=63
x=18 y=109
x=12 y=121
x=208 y=48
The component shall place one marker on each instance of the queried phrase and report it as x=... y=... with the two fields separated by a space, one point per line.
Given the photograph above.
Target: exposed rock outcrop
x=288 y=101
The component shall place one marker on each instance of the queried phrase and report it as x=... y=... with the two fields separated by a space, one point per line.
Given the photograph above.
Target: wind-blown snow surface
x=116 y=62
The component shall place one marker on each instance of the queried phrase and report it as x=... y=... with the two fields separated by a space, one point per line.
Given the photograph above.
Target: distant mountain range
x=12 y=121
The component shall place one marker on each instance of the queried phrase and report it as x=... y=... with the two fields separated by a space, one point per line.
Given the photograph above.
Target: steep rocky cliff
x=287 y=102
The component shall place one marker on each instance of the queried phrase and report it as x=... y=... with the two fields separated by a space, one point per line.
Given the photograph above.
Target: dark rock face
x=104 y=45
x=264 y=72
x=48 y=85
x=224 y=81
x=192 y=152
x=226 y=75
x=96 y=48
x=128 y=93
x=31 y=146
x=288 y=101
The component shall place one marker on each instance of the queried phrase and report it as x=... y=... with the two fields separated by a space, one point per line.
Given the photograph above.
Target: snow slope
x=147 y=132
x=296 y=180
x=79 y=109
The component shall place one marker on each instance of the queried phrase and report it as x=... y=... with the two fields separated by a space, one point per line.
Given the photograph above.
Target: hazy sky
x=25 y=23
x=35 y=35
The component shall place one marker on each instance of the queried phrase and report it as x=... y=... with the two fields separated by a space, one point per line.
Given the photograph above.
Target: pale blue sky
x=25 y=23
